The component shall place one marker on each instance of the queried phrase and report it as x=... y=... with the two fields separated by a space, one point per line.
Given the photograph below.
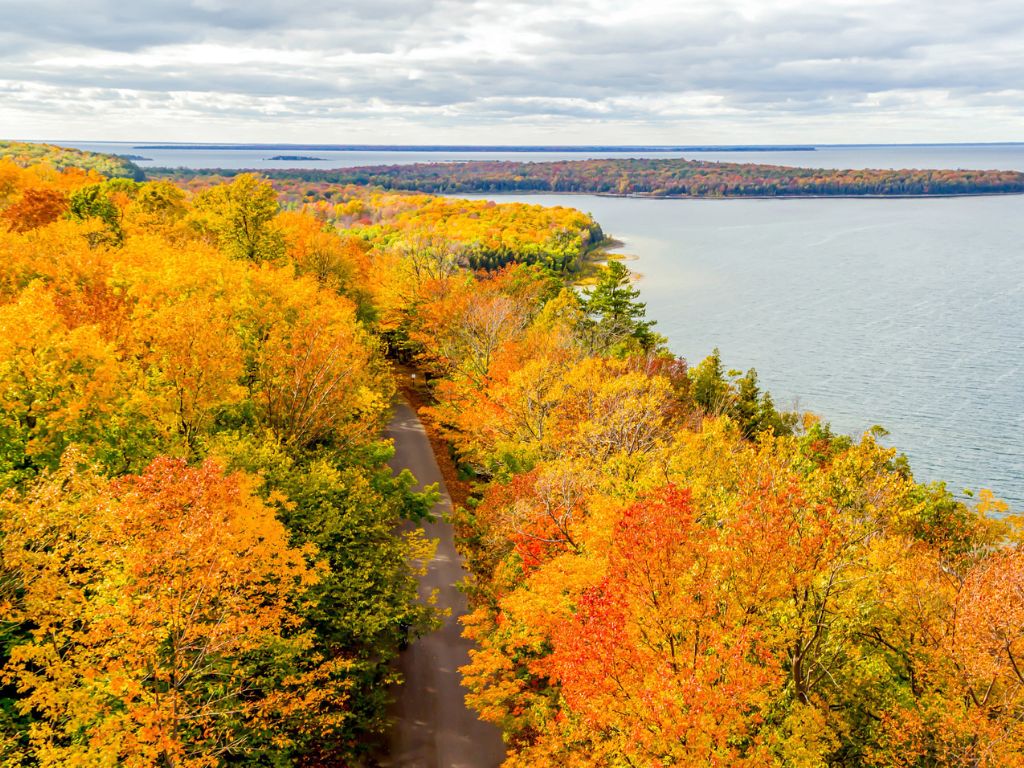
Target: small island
x=304 y=158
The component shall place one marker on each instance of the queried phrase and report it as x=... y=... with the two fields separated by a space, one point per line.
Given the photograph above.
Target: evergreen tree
x=710 y=389
x=615 y=317
x=747 y=407
x=739 y=397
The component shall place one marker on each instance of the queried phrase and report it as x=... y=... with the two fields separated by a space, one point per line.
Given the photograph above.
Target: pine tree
x=614 y=314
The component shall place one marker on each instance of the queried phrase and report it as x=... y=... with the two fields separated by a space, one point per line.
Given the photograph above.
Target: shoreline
x=717 y=198
x=597 y=256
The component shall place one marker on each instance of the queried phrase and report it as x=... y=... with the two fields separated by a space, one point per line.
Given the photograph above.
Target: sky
x=513 y=72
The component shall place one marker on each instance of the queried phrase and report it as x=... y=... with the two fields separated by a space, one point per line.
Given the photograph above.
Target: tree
x=710 y=389
x=615 y=315
x=365 y=604
x=36 y=208
x=755 y=410
x=93 y=202
x=462 y=330
x=317 y=377
x=197 y=353
x=58 y=385
x=612 y=415
x=971 y=686
x=739 y=397
x=158 y=207
x=239 y=217
x=660 y=665
x=337 y=262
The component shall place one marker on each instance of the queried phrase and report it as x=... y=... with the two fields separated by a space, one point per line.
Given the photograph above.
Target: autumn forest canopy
x=114 y=166
x=659 y=177
x=205 y=560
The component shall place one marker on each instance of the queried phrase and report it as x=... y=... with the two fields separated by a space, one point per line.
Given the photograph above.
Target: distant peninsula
x=292 y=158
x=485 y=148
x=656 y=178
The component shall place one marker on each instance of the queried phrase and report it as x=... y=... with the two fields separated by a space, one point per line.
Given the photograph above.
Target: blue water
x=259 y=158
x=904 y=313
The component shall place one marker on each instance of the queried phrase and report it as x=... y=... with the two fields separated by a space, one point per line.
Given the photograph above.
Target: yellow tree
x=195 y=347
x=970 y=676
x=239 y=218
x=58 y=385
x=318 y=375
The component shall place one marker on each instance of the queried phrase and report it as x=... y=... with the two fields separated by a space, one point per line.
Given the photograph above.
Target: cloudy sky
x=513 y=71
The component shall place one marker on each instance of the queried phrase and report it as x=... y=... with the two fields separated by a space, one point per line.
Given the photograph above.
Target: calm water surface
x=904 y=313
x=213 y=157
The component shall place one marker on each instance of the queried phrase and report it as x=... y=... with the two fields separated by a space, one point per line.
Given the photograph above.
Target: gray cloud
x=638 y=75
x=115 y=25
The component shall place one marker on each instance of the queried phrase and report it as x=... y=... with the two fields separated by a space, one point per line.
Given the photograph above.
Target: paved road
x=433 y=727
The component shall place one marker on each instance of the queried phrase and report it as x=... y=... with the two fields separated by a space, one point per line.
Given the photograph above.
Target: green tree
x=93 y=202
x=240 y=218
x=711 y=390
x=739 y=397
x=615 y=318
x=755 y=410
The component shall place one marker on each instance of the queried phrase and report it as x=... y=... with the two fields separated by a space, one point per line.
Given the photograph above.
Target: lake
x=904 y=313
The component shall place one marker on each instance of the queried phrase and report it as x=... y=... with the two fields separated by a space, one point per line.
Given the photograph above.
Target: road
x=433 y=727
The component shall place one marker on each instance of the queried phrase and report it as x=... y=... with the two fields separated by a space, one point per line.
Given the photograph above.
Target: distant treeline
x=489 y=147
x=662 y=178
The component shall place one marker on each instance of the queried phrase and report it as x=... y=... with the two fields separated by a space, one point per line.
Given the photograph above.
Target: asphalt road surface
x=433 y=727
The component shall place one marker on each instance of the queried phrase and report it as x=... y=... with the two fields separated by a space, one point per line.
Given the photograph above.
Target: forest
x=113 y=166
x=658 y=178
x=482 y=233
x=199 y=563
x=667 y=570
x=200 y=556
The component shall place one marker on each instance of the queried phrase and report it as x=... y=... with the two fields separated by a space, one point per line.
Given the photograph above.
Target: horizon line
x=763 y=147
